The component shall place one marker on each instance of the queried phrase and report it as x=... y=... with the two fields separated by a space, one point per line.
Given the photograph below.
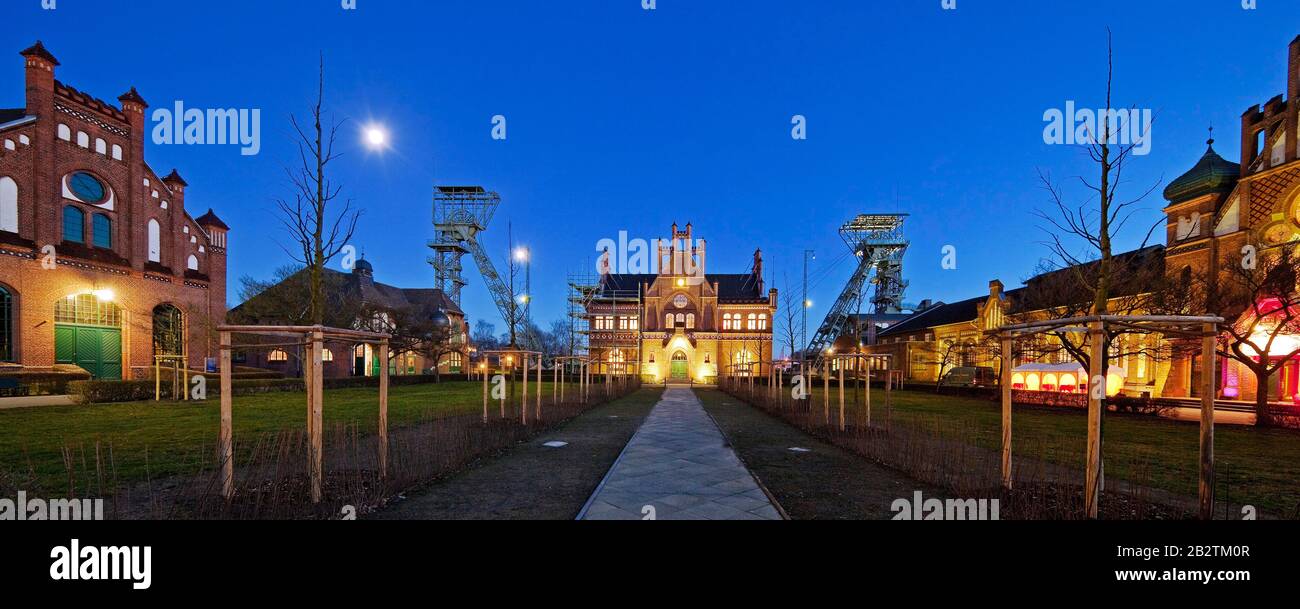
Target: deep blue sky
x=625 y=119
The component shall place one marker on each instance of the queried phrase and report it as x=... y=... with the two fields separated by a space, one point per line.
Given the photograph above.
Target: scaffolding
x=878 y=243
x=591 y=295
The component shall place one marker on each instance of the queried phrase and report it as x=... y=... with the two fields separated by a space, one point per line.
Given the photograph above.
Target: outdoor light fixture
x=681 y=283
x=105 y=295
x=807 y=304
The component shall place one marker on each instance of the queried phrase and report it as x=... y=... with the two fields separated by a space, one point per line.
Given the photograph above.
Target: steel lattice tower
x=878 y=243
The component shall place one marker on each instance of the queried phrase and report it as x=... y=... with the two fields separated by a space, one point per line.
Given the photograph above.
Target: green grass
x=175 y=433
x=1257 y=466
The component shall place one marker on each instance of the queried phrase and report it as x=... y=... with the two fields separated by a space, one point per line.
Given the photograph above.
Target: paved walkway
x=679 y=463
x=37 y=400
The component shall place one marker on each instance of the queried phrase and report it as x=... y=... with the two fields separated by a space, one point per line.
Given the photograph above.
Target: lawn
x=174 y=433
x=1256 y=466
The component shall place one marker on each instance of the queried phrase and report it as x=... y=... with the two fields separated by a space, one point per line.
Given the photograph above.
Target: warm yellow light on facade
x=105 y=295
x=681 y=283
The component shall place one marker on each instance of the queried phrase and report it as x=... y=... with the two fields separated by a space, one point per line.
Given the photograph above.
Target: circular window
x=87 y=187
x=680 y=301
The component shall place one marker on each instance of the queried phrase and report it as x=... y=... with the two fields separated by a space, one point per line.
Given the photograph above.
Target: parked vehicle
x=970 y=376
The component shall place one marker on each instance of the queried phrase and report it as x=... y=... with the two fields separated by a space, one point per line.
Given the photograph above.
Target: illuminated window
x=681 y=318
x=726 y=321
x=326 y=355
x=690 y=321
x=277 y=355
x=762 y=322
x=8 y=205
x=752 y=322
x=668 y=321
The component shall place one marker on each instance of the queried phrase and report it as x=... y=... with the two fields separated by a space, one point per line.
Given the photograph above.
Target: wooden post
x=842 y=426
x=523 y=403
x=383 y=411
x=1097 y=374
x=867 y=391
x=157 y=381
x=317 y=413
x=555 y=388
x=565 y=376
x=1006 y=410
x=539 y=388
x=485 y=389
x=225 y=441
x=504 y=393
x=1209 y=373
x=826 y=390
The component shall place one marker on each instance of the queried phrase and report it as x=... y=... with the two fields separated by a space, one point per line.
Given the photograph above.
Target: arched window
x=83 y=139
x=6 y=325
x=752 y=322
x=101 y=146
x=168 y=330
x=277 y=355
x=193 y=263
x=65 y=133
x=326 y=355
x=102 y=231
x=726 y=321
x=117 y=152
x=8 y=205
x=668 y=321
x=74 y=225
x=762 y=322
x=690 y=321
x=155 y=241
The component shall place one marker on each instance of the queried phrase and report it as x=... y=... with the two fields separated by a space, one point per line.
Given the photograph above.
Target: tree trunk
x=1263 y=416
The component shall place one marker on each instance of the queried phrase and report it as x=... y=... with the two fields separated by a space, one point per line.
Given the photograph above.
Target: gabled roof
x=938 y=315
x=11 y=114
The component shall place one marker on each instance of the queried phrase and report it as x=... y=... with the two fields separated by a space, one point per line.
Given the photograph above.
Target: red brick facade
x=63 y=133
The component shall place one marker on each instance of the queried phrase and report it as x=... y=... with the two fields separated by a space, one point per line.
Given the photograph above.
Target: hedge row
x=50 y=382
x=103 y=392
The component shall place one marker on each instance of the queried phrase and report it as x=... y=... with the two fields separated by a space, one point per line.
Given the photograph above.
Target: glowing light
x=521 y=254
x=681 y=283
x=376 y=137
x=105 y=295
x=807 y=304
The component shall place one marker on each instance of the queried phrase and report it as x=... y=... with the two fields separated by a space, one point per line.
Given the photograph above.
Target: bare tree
x=790 y=321
x=318 y=232
x=1081 y=233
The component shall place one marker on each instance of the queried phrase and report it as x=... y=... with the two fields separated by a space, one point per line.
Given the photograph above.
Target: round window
x=680 y=301
x=87 y=187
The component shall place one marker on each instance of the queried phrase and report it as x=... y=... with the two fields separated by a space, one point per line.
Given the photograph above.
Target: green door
x=679 y=371
x=96 y=350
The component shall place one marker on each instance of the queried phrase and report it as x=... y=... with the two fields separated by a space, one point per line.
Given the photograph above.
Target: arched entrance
x=88 y=333
x=680 y=371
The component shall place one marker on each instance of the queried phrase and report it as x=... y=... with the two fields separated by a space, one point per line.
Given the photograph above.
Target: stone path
x=679 y=463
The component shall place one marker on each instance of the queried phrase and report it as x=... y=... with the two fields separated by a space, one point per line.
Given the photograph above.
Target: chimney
x=40 y=79
x=758 y=268
x=995 y=288
x=1293 y=99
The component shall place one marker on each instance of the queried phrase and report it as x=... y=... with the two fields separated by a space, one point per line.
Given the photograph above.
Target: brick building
x=683 y=324
x=370 y=305
x=101 y=264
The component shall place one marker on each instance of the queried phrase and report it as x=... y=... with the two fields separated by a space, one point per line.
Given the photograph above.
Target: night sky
x=625 y=119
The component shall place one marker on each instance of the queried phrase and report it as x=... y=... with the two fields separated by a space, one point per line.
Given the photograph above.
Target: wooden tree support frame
x=313 y=381
x=1204 y=328
x=508 y=358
